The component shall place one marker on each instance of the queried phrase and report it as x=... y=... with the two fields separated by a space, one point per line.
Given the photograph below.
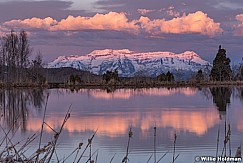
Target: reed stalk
x=228 y=135
x=89 y=141
x=155 y=144
x=150 y=158
x=175 y=137
x=113 y=158
x=225 y=140
x=163 y=156
x=96 y=158
x=92 y=161
x=56 y=135
x=42 y=126
x=125 y=159
x=217 y=144
x=76 y=149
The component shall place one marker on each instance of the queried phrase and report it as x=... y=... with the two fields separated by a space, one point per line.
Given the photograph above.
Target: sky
x=77 y=27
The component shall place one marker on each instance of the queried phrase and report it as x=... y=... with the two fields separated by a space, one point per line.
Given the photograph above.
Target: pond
x=187 y=122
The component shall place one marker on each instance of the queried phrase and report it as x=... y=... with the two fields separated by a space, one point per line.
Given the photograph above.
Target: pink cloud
x=32 y=23
x=144 y=11
x=197 y=22
x=238 y=29
x=173 y=13
x=239 y=17
x=109 y=21
x=170 y=11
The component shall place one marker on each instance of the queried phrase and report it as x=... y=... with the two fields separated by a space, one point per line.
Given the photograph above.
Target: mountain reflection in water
x=117 y=123
x=193 y=113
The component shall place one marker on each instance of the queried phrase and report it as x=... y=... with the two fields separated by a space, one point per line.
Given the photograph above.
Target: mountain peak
x=97 y=53
x=129 y=63
x=190 y=53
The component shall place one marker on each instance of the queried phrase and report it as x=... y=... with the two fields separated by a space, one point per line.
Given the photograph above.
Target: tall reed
x=130 y=134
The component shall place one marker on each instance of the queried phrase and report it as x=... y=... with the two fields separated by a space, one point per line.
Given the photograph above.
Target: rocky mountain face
x=129 y=63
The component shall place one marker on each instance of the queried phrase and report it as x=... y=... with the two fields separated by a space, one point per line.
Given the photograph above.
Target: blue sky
x=61 y=27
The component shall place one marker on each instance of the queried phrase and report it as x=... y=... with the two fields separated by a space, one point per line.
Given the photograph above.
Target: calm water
x=193 y=114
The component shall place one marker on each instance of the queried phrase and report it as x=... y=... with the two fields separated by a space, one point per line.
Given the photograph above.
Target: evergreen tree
x=169 y=76
x=199 y=76
x=241 y=73
x=166 y=77
x=78 y=79
x=162 y=77
x=72 y=79
x=109 y=75
x=221 y=70
x=75 y=79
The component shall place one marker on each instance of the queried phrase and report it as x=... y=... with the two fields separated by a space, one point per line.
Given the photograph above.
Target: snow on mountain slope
x=129 y=63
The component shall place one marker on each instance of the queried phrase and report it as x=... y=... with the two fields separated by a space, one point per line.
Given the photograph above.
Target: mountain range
x=129 y=63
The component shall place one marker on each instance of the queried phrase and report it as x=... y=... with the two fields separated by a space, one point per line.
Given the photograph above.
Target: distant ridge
x=130 y=63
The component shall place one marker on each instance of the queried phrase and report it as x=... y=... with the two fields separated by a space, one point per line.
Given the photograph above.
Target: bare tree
x=37 y=67
x=11 y=47
x=24 y=52
x=14 y=54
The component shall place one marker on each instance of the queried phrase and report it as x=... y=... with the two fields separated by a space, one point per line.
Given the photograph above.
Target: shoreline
x=175 y=84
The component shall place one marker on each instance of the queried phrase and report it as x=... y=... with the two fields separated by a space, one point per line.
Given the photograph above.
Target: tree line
x=15 y=65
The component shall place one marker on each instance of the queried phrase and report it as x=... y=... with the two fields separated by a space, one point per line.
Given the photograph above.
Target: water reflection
x=221 y=97
x=129 y=93
x=15 y=105
x=165 y=107
x=118 y=123
x=238 y=93
x=193 y=113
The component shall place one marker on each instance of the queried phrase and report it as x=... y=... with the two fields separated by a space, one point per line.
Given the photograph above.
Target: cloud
x=239 y=17
x=197 y=22
x=192 y=23
x=109 y=21
x=228 y=5
x=171 y=11
x=238 y=28
x=31 y=23
x=144 y=11
x=22 y=9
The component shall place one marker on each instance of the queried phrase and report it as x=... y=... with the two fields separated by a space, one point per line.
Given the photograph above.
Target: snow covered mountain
x=129 y=63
